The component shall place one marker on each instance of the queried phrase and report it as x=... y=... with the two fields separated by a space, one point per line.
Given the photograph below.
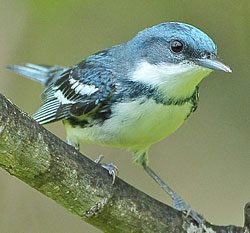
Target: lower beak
x=213 y=64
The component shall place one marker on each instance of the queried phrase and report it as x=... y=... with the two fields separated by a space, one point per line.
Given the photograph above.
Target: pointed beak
x=213 y=64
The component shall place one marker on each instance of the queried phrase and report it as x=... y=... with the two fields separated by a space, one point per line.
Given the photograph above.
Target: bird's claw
x=110 y=167
x=179 y=204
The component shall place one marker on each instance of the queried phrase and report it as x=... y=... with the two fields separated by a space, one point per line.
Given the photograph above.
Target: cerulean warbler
x=131 y=95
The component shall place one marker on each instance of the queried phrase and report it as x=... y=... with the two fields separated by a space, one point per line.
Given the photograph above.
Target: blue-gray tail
x=40 y=73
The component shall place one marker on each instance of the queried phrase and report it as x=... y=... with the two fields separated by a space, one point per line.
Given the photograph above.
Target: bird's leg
x=141 y=157
x=178 y=202
x=73 y=142
x=110 y=167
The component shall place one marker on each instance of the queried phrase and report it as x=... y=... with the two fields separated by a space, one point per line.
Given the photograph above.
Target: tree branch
x=40 y=159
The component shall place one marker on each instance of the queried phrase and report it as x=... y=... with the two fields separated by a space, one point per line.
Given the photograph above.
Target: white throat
x=174 y=80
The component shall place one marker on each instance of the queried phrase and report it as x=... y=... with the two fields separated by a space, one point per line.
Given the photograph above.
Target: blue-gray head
x=177 y=43
x=176 y=54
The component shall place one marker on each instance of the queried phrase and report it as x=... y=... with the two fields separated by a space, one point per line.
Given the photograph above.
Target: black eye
x=176 y=46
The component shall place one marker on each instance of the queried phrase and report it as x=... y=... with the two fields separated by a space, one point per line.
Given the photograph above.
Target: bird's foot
x=181 y=205
x=178 y=202
x=110 y=167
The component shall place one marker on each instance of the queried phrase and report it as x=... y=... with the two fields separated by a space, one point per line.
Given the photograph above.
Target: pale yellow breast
x=136 y=125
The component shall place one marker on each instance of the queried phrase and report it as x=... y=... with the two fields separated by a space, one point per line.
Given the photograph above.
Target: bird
x=131 y=95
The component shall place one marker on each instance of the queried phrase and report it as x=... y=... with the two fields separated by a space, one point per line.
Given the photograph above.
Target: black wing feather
x=76 y=92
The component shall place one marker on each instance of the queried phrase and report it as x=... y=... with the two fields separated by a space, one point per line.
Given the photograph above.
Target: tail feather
x=50 y=110
x=40 y=73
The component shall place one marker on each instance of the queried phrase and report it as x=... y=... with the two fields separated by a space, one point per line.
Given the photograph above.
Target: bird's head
x=174 y=57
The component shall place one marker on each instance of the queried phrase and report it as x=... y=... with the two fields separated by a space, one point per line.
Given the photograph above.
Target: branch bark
x=40 y=159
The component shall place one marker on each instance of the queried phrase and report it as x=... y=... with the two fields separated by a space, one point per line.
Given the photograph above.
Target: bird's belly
x=136 y=125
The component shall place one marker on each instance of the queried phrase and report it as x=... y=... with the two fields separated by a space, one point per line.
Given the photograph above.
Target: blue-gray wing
x=77 y=92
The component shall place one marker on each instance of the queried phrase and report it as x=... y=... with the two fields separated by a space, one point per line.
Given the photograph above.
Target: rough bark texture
x=43 y=161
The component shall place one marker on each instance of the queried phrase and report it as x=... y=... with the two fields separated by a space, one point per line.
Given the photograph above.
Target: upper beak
x=213 y=64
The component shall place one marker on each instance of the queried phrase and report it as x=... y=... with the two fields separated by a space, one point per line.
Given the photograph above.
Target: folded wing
x=77 y=92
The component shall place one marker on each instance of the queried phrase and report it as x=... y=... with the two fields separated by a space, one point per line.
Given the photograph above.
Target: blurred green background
x=206 y=161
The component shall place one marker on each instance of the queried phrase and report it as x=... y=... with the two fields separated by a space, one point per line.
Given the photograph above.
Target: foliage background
x=206 y=161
